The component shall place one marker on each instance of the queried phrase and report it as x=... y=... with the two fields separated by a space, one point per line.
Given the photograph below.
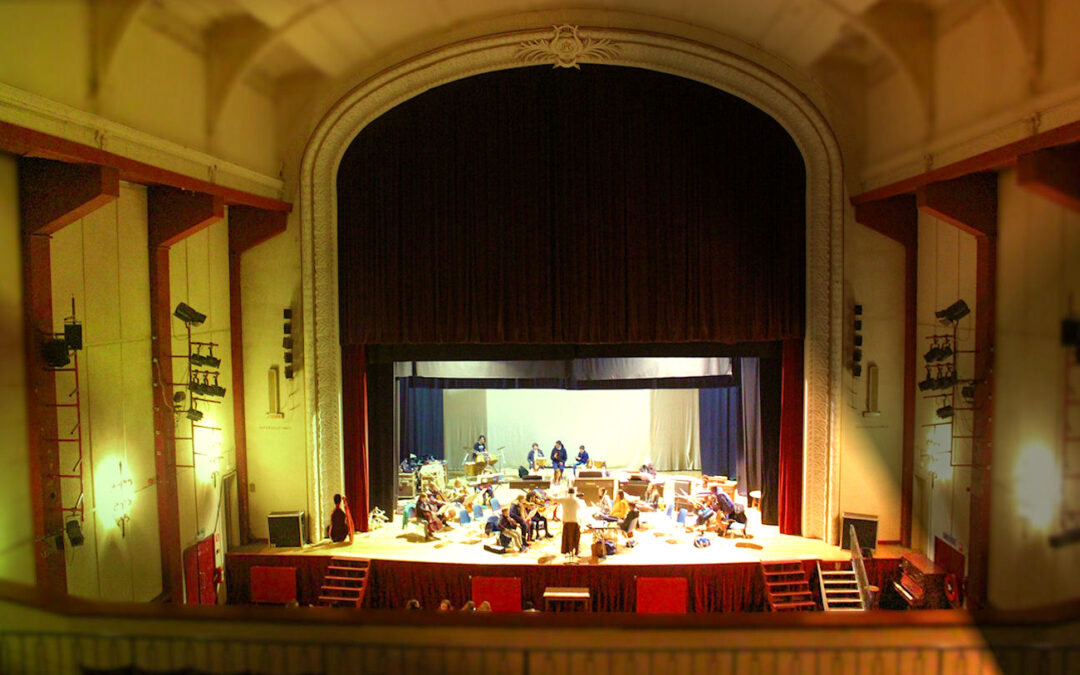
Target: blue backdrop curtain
x=751 y=455
x=721 y=430
x=421 y=420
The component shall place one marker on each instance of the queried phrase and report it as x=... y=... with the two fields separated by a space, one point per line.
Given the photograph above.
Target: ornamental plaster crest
x=566 y=48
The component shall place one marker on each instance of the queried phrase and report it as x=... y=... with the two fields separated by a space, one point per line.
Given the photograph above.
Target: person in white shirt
x=571 y=532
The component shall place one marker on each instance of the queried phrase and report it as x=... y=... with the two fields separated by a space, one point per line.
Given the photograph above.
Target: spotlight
x=968 y=391
x=194 y=415
x=185 y=313
x=953 y=313
x=928 y=383
x=856 y=370
x=945 y=381
x=55 y=353
x=945 y=412
x=215 y=389
x=179 y=397
x=74 y=532
x=1060 y=539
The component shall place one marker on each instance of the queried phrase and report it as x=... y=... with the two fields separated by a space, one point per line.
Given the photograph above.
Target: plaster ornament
x=566 y=48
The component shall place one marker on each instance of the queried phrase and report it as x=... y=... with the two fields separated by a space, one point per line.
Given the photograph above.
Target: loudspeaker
x=865 y=530
x=286 y=528
x=74 y=532
x=73 y=335
x=55 y=353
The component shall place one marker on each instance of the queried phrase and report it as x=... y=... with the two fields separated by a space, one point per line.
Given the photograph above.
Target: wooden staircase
x=840 y=589
x=786 y=586
x=345 y=582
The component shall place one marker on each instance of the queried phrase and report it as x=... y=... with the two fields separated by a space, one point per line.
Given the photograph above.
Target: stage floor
x=661 y=541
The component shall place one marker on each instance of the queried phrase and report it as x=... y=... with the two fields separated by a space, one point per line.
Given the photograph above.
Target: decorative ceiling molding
x=566 y=48
x=723 y=69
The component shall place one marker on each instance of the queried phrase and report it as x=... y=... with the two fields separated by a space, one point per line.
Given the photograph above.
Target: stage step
x=840 y=590
x=345 y=582
x=786 y=587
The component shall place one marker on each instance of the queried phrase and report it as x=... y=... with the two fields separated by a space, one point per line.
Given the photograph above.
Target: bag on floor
x=702 y=542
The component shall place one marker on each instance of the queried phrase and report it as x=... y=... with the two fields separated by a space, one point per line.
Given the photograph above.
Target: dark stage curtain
x=721 y=431
x=555 y=206
x=791 y=438
x=750 y=457
x=568 y=383
x=355 y=433
x=422 y=420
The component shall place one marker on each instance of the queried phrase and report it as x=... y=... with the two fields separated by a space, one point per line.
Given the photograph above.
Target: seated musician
x=508 y=527
x=535 y=455
x=341 y=522
x=648 y=468
x=518 y=513
x=732 y=510
x=621 y=507
x=558 y=460
x=653 y=499
x=536 y=501
x=603 y=506
x=426 y=512
x=582 y=459
x=479 y=449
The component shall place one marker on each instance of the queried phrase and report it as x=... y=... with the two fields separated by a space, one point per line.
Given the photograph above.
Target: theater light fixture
x=1064 y=538
x=193 y=414
x=55 y=353
x=74 y=532
x=953 y=313
x=944 y=412
x=857 y=340
x=968 y=390
x=185 y=313
x=928 y=383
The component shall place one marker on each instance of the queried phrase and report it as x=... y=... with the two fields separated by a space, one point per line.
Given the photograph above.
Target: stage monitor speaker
x=286 y=528
x=865 y=530
x=590 y=473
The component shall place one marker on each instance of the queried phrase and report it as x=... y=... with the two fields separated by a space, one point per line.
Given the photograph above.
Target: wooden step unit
x=786 y=587
x=345 y=582
x=840 y=589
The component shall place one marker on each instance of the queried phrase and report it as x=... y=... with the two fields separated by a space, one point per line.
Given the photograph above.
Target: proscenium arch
x=689 y=59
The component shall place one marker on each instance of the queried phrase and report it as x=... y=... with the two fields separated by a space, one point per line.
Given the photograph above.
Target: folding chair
x=682 y=517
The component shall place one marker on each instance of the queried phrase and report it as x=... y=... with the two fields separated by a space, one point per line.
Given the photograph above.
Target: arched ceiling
x=843 y=43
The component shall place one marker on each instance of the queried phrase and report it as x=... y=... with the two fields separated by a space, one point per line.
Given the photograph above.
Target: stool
x=562 y=599
x=755 y=499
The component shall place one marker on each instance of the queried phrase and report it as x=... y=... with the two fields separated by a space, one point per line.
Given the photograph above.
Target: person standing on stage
x=535 y=454
x=571 y=533
x=582 y=458
x=341 y=522
x=558 y=460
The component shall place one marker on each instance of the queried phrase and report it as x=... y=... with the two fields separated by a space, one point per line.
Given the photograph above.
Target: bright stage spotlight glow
x=1037 y=486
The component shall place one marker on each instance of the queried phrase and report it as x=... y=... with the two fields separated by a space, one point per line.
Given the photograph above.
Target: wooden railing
x=859 y=567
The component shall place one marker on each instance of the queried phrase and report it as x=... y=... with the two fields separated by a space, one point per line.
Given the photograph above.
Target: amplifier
x=590 y=473
x=286 y=528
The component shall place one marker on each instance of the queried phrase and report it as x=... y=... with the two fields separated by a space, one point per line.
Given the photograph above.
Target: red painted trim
x=236 y=338
x=54 y=194
x=172 y=215
x=1053 y=173
x=991 y=160
x=968 y=203
x=249 y=227
x=897 y=218
x=22 y=141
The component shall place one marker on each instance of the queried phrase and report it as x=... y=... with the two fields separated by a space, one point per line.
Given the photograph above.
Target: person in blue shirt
x=582 y=458
x=479 y=448
x=558 y=460
x=535 y=454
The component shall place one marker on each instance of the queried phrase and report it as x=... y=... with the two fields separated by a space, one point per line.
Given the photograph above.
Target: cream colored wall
x=199 y=276
x=16 y=521
x=101 y=261
x=872 y=445
x=1038 y=286
x=277 y=461
x=946 y=273
x=45 y=48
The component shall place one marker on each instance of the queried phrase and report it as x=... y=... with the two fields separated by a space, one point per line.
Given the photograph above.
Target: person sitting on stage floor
x=535 y=455
x=517 y=514
x=732 y=510
x=571 y=532
x=536 y=501
x=603 y=506
x=648 y=469
x=558 y=461
x=341 y=522
x=582 y=459
x=508 y=527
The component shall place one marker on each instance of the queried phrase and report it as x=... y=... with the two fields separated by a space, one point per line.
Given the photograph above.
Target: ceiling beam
x=55 y=194
x=1053 y=173
x=176 y=214
x=969 y=203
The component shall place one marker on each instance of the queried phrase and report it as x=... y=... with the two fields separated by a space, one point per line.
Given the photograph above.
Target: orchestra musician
x=341 y=522
x=582 y=459
x=479 y=449
x=558 y=460
x=537 y=499
x=535 y=454
x=425 y=511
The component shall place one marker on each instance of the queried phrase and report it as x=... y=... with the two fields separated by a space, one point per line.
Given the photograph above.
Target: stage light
x=953 y=313
x=179 y=397
x=944 y=412
x=1060 y=539
x=55 y=353
x=193 y=414
x=185 y=313
x=968 y=390
x=287 y=343
x=856 y=370
x=928 y=383
x=857 y=341
x=73 y=335
x=74 y=532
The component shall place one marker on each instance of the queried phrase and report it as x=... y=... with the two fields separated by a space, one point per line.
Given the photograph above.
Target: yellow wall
x=872 y=445
x=16 y=523
x=1038 y=285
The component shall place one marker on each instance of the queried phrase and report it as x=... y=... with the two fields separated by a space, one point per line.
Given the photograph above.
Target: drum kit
x=484 y=463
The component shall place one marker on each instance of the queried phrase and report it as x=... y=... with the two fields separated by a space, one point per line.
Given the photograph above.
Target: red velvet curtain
x=355 y=433
x=791 y=438
x=606 y=205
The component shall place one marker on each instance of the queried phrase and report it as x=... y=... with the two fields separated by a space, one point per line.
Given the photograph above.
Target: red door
x=200 y=582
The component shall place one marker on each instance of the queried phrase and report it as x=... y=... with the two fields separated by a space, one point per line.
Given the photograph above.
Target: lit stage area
x=459 y=427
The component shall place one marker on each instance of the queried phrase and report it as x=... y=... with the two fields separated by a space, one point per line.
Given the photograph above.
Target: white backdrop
x=622 y=427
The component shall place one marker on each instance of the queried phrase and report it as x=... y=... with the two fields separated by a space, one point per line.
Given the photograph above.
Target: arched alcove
x=567 y=46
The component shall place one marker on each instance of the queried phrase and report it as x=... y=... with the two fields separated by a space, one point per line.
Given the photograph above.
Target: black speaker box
x=73 y=335
x=865 y=530
x=286 y=528
x=55 y=353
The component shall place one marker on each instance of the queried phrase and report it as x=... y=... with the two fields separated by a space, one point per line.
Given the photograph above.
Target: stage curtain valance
x=554 y=206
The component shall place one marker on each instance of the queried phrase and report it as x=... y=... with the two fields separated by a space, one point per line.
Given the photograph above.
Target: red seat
x=661 y=595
